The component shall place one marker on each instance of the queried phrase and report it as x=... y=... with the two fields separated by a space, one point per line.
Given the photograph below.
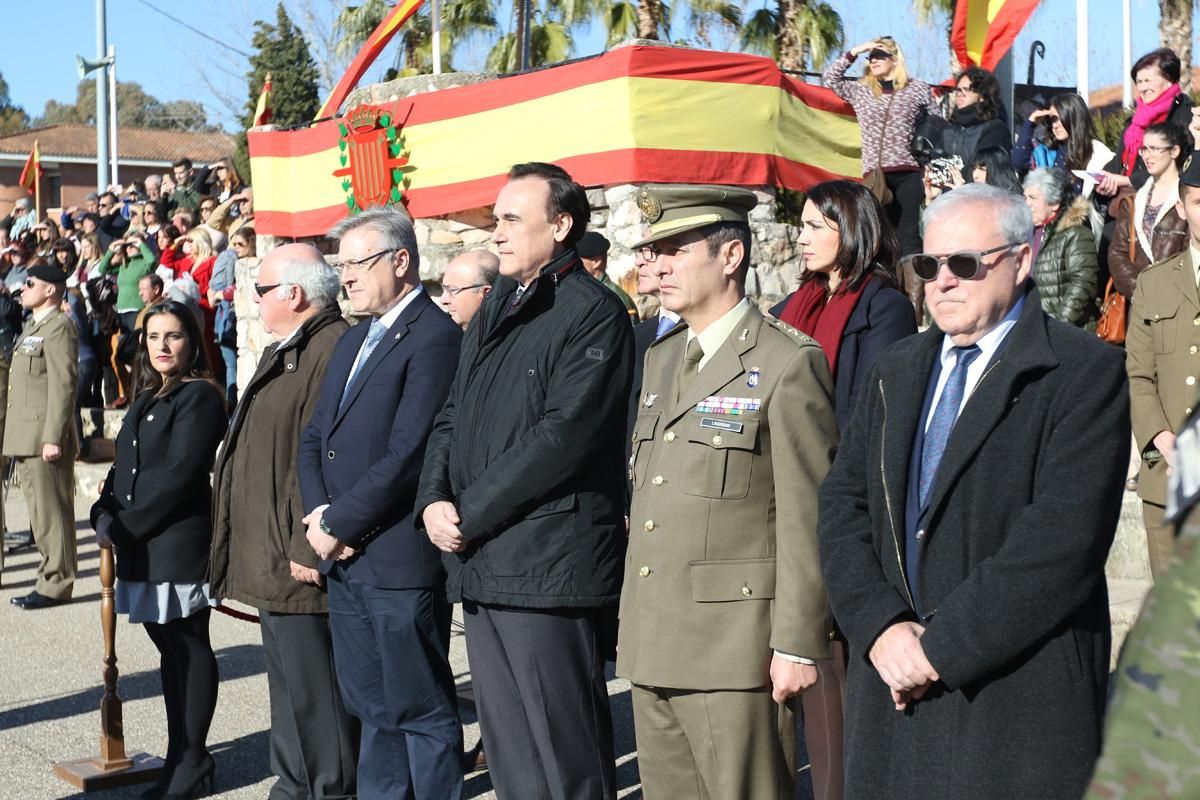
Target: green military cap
x=674 y=208
x=1190 y=174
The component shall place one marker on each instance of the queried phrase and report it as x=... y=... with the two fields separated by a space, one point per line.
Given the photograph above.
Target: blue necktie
x=944 y=417
x=374 y=337
x=665 y=324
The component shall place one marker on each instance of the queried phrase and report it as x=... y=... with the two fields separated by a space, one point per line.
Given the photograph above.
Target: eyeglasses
x=1151 y=148
x=651 y=252
x=963 y=265
x=453 y=291
x=240 y=244
x=262 y=289
x=363 y=264
x=964 y=90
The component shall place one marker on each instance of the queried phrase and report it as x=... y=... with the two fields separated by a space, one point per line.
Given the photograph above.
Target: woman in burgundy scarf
x=1158 y=98
x=848 y=302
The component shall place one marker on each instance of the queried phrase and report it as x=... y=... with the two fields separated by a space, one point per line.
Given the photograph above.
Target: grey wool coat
x=1023 y=511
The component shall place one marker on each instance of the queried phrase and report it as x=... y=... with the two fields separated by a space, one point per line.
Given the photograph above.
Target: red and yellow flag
x=32 y=171
x=262 y=112
x=984 y=30
x=366 y=56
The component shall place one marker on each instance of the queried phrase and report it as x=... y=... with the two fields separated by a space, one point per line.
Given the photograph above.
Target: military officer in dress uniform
x=1162 y=350
x=40 y=431
x=723 y=611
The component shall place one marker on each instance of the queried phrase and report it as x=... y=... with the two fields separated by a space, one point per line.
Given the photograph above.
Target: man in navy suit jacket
x=360 y=460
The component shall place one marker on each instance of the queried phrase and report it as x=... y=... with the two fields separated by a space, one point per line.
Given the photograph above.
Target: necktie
x=691 y=364
x=665 y=324
x=374 y=337
x=944 y=417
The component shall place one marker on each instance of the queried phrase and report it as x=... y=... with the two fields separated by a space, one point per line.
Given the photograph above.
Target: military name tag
x=721 y=424
x=31 y=345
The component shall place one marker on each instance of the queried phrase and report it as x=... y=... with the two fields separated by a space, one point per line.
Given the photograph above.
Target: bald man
x=466 y=282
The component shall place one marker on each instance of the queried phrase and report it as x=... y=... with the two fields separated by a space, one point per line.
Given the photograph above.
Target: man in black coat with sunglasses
x=965 y=525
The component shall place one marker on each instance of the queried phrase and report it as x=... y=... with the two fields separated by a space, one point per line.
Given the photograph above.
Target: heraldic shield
x=371 y=157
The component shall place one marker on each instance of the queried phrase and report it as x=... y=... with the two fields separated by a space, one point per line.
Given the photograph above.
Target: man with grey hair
x=23 y=217
x=964 y=528
x=466 y=282
x=260 y=555
x=360 y=459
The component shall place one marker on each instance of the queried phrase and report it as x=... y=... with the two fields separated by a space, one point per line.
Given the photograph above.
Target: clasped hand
x=441 y=525
x=900 y=660
x=327 y=547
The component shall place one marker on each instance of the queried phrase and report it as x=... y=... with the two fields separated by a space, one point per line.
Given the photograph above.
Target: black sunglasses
x=963 y=265
x=263 y=289
x=878 y=55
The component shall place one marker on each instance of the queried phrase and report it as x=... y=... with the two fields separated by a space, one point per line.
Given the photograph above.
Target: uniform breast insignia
x=31 y=345
x=649 y=401
x=715 y=404
x=721 y=424
x=752 y=377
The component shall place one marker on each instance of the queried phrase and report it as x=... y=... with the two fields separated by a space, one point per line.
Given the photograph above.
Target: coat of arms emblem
x=375 y=165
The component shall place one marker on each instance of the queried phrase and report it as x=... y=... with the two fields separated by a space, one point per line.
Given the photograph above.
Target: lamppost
x=106 y=99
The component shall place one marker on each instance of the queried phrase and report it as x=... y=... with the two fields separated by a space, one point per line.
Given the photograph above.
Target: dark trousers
x=904 y=213
x=314 y=740
x=393 y=669
x=543 y=702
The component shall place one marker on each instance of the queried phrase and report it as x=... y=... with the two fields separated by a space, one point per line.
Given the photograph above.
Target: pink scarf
x=1145 y=115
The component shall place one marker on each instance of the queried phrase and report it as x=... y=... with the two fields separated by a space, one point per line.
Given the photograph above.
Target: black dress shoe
x=16 y=540
x=35 y=601
x=20 y=601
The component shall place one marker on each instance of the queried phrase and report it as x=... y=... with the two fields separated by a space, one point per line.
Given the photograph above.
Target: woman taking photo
x=1148 y=227
x=975 y=121
x=847 y=301
x=1157 y=98
x=155 y=509
x=1064 y=252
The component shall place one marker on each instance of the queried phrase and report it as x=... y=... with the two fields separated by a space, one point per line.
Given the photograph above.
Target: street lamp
x=105 y=113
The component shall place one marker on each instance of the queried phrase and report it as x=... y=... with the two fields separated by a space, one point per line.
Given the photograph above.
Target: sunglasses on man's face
x=964 y=265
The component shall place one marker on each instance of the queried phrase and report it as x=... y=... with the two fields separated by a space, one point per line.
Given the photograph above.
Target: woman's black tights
x=188 y=670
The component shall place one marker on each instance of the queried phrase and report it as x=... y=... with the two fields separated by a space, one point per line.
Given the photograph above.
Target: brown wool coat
x=256 y=501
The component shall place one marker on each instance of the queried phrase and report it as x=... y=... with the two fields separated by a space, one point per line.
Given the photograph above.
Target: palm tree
x=796 y=33
x=1175 y=32
x=461 y=19
x=550 y=41
x=926 y=10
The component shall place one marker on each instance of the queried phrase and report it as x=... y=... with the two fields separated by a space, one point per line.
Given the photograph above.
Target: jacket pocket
x=644 y=431
x=1068 y=644
x=1163 y=327
x=283 y=527
x=538 y=547
x=730 y=581
x=719 y=459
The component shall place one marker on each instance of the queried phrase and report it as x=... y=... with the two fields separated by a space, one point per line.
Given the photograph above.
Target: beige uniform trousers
x=49 y=490
x=1160 y=538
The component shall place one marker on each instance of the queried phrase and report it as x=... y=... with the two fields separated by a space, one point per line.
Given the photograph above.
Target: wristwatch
x=324 y=526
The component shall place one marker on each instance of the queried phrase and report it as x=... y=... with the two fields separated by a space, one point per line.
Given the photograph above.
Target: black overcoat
x=1022 y=514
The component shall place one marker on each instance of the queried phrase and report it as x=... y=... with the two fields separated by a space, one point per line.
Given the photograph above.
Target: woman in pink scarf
x=1158 y=98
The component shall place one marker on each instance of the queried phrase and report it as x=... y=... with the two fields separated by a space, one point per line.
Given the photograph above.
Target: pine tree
x=281 y=50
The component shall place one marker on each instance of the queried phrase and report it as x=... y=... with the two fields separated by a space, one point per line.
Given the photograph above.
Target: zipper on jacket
x=887 y=497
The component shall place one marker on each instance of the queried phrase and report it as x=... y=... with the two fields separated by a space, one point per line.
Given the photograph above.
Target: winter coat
x=1180 y=114
x=965 y=135
x=1169 y=238
x=1066 y=270
x=258 y=508
x=530 y=444
x=1021 y=516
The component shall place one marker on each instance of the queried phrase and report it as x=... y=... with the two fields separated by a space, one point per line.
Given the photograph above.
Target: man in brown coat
x=260 y=555
x=1162 y=358
x=723 y=611
x=39 y=433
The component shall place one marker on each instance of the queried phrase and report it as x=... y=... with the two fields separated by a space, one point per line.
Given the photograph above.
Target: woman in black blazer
x=155 y=508
x=848 y=302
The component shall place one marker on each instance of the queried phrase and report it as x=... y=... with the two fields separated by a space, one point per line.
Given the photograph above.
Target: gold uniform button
x=657 y=480
x=717 y=439
x=1157 y=317
x=644 y=572
x=1196 y=321
x=1190 y=380
x=1187 y=411
x=746 y=591
x=649 y=526
x=831 y=636
x=669 y=436
x=1193 y=349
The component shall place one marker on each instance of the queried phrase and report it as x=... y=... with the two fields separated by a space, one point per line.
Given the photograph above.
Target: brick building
x=69 y=159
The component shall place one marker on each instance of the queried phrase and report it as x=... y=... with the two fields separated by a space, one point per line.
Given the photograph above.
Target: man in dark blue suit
x=360 y=460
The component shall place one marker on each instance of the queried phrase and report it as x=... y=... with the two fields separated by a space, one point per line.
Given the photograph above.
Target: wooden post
x=113 y=767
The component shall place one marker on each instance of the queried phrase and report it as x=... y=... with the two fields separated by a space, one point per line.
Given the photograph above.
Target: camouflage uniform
x=1152 y=744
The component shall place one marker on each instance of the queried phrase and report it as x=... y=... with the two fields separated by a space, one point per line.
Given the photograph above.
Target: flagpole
x=37 y=184
x=435 y=18
x=1081 y=48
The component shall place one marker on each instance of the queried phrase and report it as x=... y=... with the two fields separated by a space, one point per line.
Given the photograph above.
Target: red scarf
x=813 y=311
x=1145 y=115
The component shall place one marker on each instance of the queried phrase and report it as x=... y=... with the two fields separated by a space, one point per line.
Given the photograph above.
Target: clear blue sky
x=172 y=62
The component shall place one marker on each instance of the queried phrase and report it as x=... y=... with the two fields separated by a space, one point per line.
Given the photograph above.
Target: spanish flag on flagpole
x=32 y=171
x=984 y=30
x=262 y=112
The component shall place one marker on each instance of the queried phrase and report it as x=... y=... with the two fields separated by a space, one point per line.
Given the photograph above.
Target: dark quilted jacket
x=1066 y=269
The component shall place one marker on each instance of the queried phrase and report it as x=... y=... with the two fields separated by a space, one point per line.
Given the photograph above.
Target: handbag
x=875 y=180
x=1114 y=317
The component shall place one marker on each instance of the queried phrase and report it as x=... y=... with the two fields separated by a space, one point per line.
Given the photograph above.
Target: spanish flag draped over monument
x=984 y=30
x=635 y=114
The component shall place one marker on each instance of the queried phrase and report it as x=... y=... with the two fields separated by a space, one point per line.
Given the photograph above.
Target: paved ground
x=50 y=694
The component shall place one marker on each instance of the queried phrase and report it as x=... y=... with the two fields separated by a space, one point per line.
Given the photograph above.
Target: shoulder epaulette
x=799 y=337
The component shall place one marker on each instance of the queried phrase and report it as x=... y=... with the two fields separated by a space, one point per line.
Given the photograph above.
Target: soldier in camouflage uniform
x=1152 y=744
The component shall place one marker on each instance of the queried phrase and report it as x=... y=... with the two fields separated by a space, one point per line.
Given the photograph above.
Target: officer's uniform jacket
x=43 y=377
x=1162 y=358
x=722 y=566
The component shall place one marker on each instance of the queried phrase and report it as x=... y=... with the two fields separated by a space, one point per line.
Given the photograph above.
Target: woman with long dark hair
x=848 y=302
x=976 y=119
x=155 y=509
x=991 y=166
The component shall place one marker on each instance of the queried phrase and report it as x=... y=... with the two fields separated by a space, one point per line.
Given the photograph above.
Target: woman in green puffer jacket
x=1064 y=251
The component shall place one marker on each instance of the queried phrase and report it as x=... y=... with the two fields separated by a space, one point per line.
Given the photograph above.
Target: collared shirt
x=387 y=320
x=712 y=337
x=1195 y=254
x=988 y=344
x=671 y=315
x=38 y=316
